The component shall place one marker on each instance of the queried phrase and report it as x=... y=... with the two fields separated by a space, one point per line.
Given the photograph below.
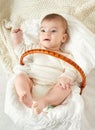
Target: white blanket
x=66 y=116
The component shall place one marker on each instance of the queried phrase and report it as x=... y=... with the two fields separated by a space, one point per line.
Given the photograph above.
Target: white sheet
x=5 y=122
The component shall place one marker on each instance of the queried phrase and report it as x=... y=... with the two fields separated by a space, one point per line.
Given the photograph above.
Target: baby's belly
x=44 y=78
x=45 y=75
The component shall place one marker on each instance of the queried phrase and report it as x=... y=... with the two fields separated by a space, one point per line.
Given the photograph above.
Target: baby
x=43 y=78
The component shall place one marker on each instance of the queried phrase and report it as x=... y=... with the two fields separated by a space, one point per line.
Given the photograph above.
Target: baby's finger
x=68 y=86
x=16 y=30
x=62 y=83
x=62 y=86
x=71 y=83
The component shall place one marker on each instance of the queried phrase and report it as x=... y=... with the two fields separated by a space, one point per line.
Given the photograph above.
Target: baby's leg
x=23 y=85
x=54 y=97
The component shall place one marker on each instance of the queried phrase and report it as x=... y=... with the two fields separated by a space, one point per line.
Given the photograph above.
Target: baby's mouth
x=46 y=39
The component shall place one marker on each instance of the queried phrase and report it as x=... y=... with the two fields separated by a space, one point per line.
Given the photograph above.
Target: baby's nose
x=48 y=33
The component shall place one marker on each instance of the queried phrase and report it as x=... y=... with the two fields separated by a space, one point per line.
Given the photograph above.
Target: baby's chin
x=47 y=47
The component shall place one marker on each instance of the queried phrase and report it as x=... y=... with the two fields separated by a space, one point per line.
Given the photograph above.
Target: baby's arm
x=64 y=82
x=18 y=42
x=17 y=37
x=69 y=76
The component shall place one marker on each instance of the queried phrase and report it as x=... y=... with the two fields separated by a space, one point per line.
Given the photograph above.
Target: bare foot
x=39 y=106
x=26 y=99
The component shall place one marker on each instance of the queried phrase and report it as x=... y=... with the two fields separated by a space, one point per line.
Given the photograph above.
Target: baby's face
x=52 y=34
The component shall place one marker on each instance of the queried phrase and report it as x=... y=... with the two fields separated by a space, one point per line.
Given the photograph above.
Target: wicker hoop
x=48 y=52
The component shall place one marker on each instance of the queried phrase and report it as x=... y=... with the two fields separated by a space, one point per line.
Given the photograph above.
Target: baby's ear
x=65 y=37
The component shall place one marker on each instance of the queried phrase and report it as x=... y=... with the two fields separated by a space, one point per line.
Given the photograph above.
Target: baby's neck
x=51 y=49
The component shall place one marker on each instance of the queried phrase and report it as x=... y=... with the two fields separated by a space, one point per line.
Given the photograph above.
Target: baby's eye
x=42 y=30
x=53 y=30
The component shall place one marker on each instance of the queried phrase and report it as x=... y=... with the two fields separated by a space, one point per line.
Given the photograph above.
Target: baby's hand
x=17 y=36
x=64 y=82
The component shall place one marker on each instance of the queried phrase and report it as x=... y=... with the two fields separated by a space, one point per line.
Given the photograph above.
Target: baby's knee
x=21 y=76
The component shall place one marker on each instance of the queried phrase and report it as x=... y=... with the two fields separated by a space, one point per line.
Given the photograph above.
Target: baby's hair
x=54 y=16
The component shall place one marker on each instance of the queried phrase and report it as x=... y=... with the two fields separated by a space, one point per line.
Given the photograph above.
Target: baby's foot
x=26 y=99
x=39 y=106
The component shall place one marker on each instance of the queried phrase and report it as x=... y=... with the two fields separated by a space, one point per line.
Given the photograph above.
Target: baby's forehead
x=53 y=22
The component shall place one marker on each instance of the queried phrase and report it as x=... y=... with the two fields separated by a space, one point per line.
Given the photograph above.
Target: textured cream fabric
x=84 y=10
x=5 y=8
x=15 y=11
